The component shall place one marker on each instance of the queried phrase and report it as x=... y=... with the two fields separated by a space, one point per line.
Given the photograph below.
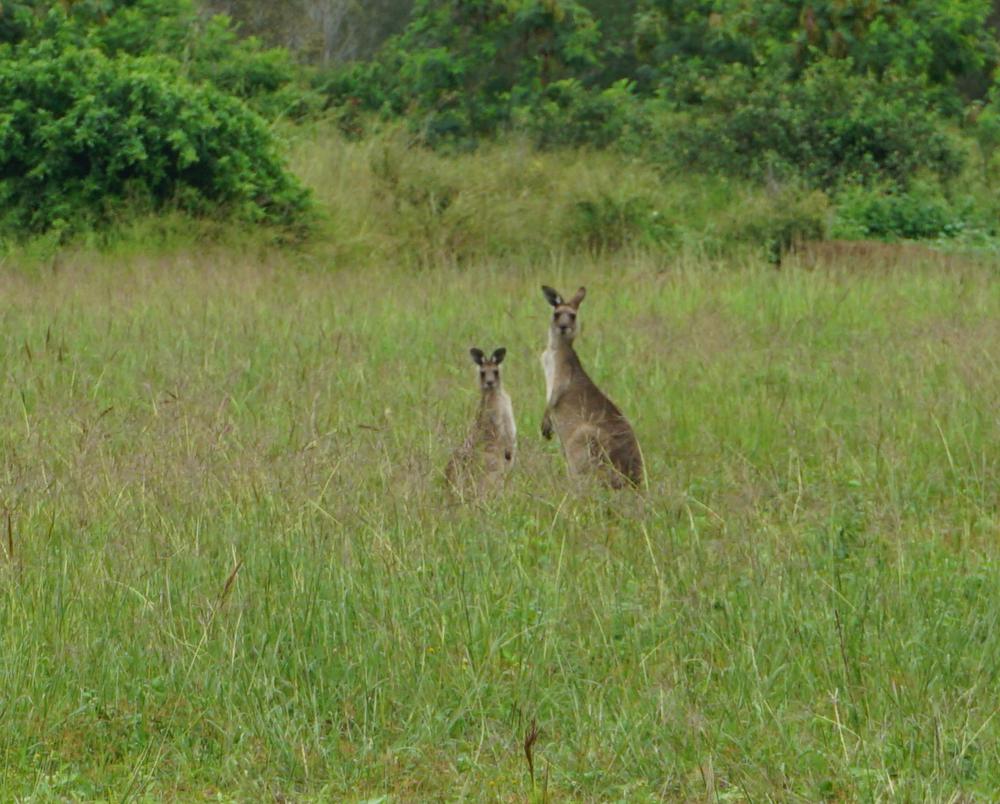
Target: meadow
x=230 y=569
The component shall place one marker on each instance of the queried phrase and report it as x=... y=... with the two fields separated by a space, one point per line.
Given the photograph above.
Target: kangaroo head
x=489 y=367
x=564 y=325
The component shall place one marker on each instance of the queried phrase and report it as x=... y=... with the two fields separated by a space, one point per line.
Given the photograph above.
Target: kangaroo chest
x=549 y=366
x=505 y=417
x=496 y=421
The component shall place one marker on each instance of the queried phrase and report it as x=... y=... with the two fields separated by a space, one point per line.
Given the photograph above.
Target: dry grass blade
x=227 y=587
x=529 y=744
x=10 y=535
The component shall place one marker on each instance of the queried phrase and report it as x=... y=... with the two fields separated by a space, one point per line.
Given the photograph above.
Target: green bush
x=921 y=213
x=985 y=118
x=460 y=68
x=204 y=49
x=266 y=78
x=566 y=113
x=83 y=136
x=778 y=221
x=829 y=127
x=833 y=94
x=608 y=222
x=679 y=43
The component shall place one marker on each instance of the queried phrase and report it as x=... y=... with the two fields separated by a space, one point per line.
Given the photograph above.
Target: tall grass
x=389 y=202
x=229 y=568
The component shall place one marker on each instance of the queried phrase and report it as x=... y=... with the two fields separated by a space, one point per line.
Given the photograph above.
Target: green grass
x=391 y=203
x=230 y=569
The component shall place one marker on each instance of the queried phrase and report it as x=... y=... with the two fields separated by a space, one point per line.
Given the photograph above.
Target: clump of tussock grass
x=389 y=200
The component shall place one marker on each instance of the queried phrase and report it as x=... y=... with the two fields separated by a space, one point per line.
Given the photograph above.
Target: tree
x=936 y=41
x=461 y=66
x=319 y=31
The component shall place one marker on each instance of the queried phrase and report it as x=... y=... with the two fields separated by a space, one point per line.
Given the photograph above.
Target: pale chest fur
x=505 y=418
x=495 y=425
x=549 y=367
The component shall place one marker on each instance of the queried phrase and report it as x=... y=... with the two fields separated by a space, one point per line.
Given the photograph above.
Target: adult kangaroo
x=595 y=436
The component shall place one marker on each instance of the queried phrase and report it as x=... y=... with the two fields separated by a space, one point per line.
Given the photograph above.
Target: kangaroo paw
x=546 y=427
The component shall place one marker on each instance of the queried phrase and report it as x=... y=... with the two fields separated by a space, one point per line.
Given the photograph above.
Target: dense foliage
x=319 y=31
x=204 y=48
x=829 y=126
x=113 y=107
x=895 y=97
x=681 y=41
x=83 y=133
x=461 y=68
x=823 y=95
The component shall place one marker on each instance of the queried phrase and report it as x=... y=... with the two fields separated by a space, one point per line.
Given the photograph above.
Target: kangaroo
x=488 y=451
x=595 y=435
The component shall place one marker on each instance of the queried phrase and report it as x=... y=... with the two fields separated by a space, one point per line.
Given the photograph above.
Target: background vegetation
x=239 y=283
x=887 y=109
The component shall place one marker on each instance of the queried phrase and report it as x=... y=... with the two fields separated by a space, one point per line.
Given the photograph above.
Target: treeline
x=888 y=107
x=318 y=31
x=826 y=88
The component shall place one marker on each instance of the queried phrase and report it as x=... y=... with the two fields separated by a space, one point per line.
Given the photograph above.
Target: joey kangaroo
x=595 y=435
x=488 y=451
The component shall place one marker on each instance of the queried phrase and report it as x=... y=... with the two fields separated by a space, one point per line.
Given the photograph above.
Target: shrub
x=773 y=222
x=608 y=222
x=205 y=49
x=828 y=128
x=460 y=67
x=266 y=78
x=985 y=118
x=565 y=113
x=83 y=135
x=936 y=42
x=921 y=213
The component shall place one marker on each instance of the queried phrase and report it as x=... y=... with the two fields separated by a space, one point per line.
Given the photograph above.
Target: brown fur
x=487 y=454
x=596 y=437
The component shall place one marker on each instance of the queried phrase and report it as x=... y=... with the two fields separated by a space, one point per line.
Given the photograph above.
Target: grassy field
x=229 y=567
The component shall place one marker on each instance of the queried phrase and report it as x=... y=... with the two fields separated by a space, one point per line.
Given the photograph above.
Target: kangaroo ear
x=575 y=301
x=552 y=295
x=498 y=355
x=477 y=355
